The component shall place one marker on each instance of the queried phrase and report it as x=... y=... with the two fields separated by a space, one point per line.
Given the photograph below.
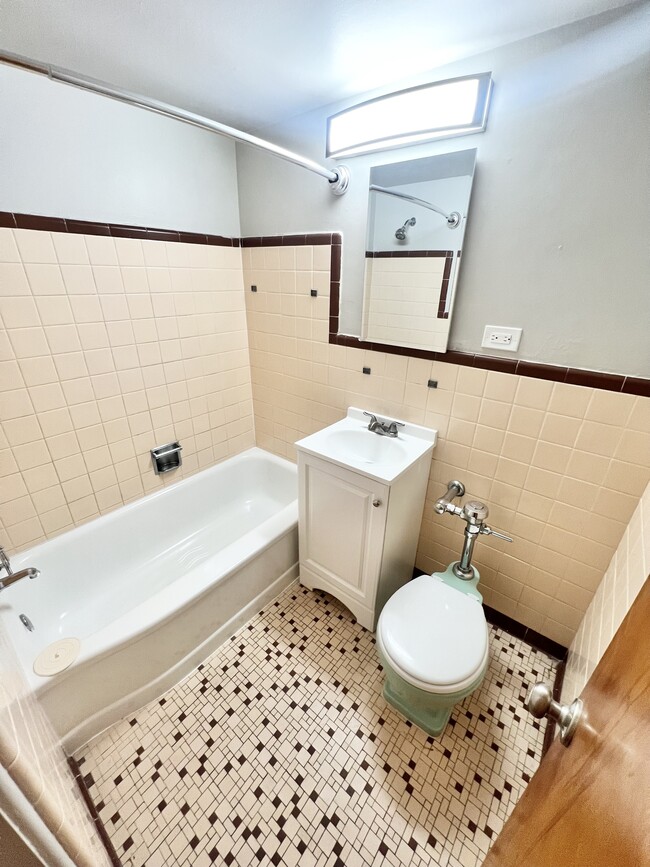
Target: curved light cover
x=457 y=106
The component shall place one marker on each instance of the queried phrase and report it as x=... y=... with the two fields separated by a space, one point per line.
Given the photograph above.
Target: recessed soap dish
x=166 y=458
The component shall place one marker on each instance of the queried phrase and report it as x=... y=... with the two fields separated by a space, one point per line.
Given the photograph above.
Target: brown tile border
x=408 y=254
x=443 y=313
x=525 y=633
x=92 y=809
x=314 y=239
x=114 y=230
x=573 y=376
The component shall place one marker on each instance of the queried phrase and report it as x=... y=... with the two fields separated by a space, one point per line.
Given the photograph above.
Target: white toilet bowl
x=432 y=639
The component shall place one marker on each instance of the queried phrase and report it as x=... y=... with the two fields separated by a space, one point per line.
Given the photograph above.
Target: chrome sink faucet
x=11 y=576
x=383 y=428
x=474 y=515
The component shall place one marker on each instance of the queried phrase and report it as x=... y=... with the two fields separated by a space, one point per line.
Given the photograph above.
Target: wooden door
x=588 y=805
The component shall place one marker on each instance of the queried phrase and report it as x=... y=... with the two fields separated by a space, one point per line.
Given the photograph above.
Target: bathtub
x=151 y=589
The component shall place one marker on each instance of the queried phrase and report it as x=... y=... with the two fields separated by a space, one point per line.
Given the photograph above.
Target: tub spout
x=11 y=577
x=30 y=572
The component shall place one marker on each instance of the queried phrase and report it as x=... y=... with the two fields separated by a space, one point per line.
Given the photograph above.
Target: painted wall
x=67 y=153
x=624 y=578
x=561 y=466
x=109 y=348
x=557 y=241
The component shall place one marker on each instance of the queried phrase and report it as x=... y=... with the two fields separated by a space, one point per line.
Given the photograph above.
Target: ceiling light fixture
x=456 y=106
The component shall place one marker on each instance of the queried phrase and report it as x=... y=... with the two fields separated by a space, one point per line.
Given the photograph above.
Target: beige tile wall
x=31 y=753
x=562 y=467
x=108 y=348
x=626 y=574
x=401 y=301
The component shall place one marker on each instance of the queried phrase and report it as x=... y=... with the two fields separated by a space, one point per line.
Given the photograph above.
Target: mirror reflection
x=417 y=214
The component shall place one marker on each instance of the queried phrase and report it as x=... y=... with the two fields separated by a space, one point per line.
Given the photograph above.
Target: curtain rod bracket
x=341 y=182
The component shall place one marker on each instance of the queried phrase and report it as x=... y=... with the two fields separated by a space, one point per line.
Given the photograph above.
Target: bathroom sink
x=349 y=443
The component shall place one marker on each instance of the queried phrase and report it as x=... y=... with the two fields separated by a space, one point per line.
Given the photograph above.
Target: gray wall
x=557 y=241
x=67 y=153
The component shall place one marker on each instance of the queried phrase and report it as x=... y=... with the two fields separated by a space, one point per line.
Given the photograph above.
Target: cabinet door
x=341 y=530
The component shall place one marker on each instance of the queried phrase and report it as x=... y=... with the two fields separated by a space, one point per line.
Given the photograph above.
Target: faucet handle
x=371 y=416
x=4 y=561
x=488 y=531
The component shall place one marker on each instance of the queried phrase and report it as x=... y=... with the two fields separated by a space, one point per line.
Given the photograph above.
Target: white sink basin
x=350 y=444
x=365 y=446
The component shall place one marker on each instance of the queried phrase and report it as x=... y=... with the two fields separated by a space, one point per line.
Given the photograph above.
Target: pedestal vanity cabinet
x=361 y=497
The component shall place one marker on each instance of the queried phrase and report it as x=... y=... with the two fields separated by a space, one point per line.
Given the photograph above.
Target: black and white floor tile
x=280 y=750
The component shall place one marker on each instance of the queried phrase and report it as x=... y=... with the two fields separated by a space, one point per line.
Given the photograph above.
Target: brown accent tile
x=594 y=379
x=489 y=362
x=192 y=238
x=406 y=254
x=337 y=239
x=636 y=385
x=84 y=227
x=530 y=636
x=221 y=241
x=320 y=238
x=7 y=220
x=42 y=224
x=119 y=231
x=444 y=286
x=251 y=242
x=465 y=359
x=161 y=235
x=335 y=263
x=541 y=371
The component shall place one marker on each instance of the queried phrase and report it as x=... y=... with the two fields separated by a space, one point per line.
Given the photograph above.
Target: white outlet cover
x=502 y=337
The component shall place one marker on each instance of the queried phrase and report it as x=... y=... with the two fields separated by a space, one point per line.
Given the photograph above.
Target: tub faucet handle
x=4 y=561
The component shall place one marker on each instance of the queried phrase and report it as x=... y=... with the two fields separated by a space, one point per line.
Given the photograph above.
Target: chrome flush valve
x=474 y=515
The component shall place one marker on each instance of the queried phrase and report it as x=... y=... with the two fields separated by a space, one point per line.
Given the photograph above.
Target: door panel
x=588 y=805
x=341 y=531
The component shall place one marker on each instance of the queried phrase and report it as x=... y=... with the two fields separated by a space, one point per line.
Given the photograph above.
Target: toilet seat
x=435 y=637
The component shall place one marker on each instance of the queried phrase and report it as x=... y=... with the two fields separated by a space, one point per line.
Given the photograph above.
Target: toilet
x=432 y=639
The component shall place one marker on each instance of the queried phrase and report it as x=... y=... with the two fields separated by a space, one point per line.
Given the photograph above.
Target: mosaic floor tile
x=280 y=750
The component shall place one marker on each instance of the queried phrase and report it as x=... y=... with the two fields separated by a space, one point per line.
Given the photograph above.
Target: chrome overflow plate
x=27 y=623
x=540 y=703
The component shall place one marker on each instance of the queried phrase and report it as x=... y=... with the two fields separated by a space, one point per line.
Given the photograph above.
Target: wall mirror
x=417 y=214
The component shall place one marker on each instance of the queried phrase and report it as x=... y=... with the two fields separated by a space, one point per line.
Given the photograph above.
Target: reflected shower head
x=400 y=233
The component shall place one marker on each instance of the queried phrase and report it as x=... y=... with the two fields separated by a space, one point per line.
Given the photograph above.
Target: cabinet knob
x=376 y=503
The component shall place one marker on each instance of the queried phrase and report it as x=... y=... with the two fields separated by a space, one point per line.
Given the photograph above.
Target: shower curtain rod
x=453 y=219
x=339 y=177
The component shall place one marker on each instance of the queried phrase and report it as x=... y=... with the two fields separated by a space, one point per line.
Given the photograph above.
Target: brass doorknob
x=540 y=703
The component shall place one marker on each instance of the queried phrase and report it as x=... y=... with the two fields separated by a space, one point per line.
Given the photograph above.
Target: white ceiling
x=251 y=63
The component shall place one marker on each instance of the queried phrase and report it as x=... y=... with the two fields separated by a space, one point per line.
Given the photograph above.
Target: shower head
x=400 y=233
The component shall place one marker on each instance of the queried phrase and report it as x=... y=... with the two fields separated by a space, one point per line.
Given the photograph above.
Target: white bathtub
x=154 y=587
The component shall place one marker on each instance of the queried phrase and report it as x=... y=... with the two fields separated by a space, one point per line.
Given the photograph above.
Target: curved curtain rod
x=452 y=219
x=339 y=178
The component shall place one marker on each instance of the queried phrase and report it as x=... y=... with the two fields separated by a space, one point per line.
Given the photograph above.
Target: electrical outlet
x=501 y=337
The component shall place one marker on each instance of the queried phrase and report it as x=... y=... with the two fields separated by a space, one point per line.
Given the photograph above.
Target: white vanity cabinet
x=359 y=519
